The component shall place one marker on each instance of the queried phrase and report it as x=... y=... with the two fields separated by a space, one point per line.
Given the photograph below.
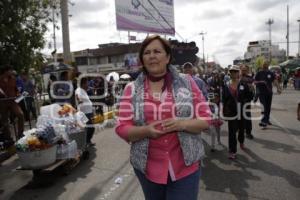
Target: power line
x=164 y=19
x=151 y=15
x=286 y=42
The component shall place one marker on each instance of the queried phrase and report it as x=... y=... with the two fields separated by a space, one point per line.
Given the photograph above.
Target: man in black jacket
x=264 y=80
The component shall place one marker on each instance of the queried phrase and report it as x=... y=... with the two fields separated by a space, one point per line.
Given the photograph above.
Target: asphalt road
x=268 y=169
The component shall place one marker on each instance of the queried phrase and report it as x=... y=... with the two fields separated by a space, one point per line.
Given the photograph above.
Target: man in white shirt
x=85 y=105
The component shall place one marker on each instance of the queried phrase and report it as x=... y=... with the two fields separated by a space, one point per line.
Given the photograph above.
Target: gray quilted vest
x=191 y=144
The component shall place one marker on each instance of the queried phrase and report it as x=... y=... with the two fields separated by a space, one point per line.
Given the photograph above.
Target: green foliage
x=274 y=61
x=23 y=24
x=259 y=61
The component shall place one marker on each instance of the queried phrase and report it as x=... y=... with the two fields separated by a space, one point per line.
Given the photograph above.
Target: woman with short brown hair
x=162 y=114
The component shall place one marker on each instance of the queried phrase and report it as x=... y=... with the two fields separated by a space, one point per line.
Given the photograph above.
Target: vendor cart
x=40 y=162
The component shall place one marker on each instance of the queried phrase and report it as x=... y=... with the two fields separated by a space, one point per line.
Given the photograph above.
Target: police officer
x=264 y=80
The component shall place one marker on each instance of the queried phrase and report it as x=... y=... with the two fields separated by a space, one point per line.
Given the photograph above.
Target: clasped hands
x=158 y=128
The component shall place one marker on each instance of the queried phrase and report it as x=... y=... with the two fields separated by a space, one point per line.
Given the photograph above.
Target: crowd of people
x=161 y=113
x=17 y=94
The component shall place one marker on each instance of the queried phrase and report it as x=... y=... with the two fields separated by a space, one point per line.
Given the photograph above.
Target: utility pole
x=128 y=37
x=299 y=39
x=287 y=33
x=65 y=31
x=270 y=22
x=54 y=36
x=202 y=33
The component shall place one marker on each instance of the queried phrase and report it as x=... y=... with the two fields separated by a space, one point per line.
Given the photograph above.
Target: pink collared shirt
x=164 y=154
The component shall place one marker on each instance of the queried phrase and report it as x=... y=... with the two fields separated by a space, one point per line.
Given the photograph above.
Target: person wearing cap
x=234 y=95
x=263 y=81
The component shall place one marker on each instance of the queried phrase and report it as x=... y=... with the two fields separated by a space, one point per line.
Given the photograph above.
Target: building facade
x=106 y=58
x=263 y=48
x=124 y=58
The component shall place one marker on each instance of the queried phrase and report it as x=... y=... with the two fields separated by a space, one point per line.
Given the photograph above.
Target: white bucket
x=37 y=159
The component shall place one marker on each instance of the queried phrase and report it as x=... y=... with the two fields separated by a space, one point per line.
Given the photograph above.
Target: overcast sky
x=230 y=25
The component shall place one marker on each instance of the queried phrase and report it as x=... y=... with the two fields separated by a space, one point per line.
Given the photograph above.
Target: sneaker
x=249 y=136
x=243 y=147
x=232 y=156
x=262 y=124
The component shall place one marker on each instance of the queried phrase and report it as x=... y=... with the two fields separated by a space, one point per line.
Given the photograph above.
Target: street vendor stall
x=58 y=139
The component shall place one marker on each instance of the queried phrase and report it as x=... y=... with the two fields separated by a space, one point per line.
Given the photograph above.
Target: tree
x=23 y=24
x=274 y=61
x=259 y=61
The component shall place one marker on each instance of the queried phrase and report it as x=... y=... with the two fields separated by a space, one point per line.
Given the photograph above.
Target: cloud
x=193 y=2
x=230 y=38
x=232 y=42
x=225 y=51
x=259 y=5
x=278 y=25
x=230 y=24
x=90 y=25
x=82 y=8
x=235 y=34
x=90 y=14
x=227 y=55
x=215 y=14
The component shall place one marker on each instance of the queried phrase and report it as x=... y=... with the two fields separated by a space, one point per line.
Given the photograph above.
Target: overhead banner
x=150 y=16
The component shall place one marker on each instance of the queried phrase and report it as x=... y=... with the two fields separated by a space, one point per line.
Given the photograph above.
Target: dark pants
x=90 y=128
x=285 y=82
x=233 y=127
x=185 y=188
x=266 y=101
x=7 y=108
x=30 y=107
x=247 y=122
